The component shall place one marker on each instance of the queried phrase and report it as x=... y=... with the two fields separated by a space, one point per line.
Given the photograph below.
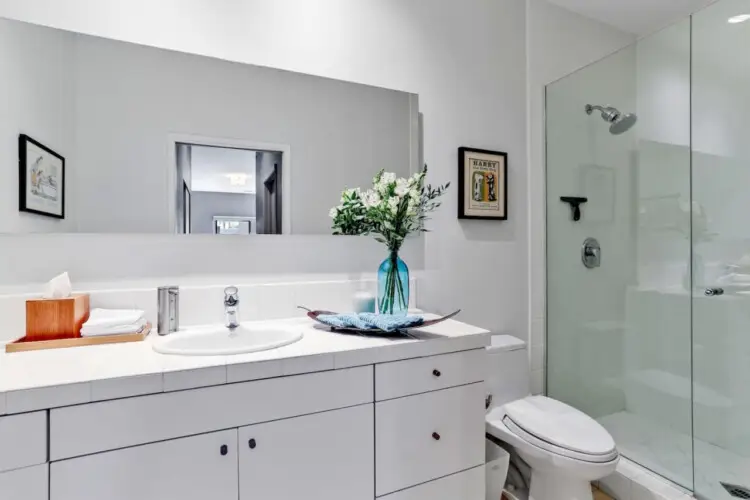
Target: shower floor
x=669 y=453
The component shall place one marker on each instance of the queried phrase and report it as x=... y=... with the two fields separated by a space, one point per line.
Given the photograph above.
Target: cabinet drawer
x=30 y=483
x=23 y=440
x=92 y=428
x=424 y=437
x=468 y=485
x=414 y=376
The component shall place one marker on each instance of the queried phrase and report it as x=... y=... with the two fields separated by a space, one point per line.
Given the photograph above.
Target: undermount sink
x=218 y=340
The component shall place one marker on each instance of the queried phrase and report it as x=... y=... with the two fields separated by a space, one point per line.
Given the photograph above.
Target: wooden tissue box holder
x=51 y=319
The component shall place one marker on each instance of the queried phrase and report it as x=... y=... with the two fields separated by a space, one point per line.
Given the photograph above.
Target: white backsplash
x=203 y=303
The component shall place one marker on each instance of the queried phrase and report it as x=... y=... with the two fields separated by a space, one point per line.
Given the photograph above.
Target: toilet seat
x=558 y=428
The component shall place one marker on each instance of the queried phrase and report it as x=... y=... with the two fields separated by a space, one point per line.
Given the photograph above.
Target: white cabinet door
x=24 y=484
x=23 y=440
x=326 y=456
x=202 y=467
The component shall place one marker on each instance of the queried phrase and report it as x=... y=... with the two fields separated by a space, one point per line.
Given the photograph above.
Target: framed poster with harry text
x=482 y=184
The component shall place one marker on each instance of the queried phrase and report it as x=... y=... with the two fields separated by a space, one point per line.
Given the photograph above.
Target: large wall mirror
x=102 y=136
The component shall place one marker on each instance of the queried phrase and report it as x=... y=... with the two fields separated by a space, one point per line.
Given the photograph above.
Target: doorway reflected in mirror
x=228 y=190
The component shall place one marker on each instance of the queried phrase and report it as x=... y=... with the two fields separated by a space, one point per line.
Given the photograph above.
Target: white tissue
x=58 y=287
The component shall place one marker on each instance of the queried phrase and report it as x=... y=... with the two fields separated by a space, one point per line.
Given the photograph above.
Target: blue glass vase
x=393 y=286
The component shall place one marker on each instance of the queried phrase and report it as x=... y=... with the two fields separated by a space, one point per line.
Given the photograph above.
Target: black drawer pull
x=436 y=373
x=252 y=444
x=436 y=436
x=224 y=450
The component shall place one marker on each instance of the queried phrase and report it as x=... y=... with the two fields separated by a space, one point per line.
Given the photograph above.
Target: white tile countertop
x=38 y=380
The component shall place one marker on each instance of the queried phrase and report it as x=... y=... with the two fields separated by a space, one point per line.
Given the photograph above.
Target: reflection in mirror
x=223 y=190
x=156 y=141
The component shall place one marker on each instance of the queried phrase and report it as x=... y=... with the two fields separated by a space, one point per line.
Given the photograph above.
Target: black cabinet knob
x=436 y=436
x=252 y=444
x=224 y=450
x=436 y=373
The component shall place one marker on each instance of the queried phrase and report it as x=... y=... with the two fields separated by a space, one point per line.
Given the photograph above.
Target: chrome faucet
x=168 y=320
x=231 y=307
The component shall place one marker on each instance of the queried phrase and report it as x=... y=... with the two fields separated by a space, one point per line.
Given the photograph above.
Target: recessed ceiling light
x=739 y=19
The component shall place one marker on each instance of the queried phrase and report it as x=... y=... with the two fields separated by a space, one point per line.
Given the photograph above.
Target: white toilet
x=564 y=448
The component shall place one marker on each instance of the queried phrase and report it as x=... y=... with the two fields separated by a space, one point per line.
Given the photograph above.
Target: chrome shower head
x=619 y=122
x=623 y=124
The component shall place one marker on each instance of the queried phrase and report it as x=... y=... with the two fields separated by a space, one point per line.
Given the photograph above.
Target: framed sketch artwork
x=482 y=184
x=41 y=177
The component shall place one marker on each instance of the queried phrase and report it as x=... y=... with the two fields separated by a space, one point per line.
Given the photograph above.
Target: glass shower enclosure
x=648 y=292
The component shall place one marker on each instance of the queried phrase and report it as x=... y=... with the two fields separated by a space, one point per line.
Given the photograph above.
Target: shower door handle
x=713 y=292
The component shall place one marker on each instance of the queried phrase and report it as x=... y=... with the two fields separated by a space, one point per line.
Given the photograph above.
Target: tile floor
x=670 y=453
x=600 y=495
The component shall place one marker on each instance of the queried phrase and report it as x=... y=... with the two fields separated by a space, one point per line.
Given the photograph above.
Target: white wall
x=154 y=260
x=34 y=100
x=205 y=205
x=465 y=59
x=559 y=42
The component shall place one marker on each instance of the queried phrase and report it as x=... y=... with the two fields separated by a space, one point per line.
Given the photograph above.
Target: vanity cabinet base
x=467 y=485
x=317 y=436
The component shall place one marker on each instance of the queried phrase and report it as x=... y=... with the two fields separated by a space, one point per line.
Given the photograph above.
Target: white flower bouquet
x=391 y=210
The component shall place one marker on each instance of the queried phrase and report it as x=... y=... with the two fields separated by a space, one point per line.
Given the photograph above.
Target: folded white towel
x=100 y=331
x=113 y=317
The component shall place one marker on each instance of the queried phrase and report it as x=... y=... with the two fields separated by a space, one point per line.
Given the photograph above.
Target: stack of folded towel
x=113 y=322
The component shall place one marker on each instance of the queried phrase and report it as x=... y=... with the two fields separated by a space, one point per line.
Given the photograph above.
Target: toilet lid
x=560 y=425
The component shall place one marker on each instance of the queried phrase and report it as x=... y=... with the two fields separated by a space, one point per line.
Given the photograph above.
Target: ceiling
x=641 y=17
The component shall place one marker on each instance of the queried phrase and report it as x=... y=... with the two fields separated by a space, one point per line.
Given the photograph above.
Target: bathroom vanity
x=332 y=417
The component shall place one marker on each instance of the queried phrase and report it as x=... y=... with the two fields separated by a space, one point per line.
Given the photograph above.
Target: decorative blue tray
x=373 y=331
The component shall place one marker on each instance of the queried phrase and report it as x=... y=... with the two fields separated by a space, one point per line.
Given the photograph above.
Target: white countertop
x=38 y=380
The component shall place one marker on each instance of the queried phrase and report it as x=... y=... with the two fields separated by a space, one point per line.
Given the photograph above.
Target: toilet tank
x=507 y=375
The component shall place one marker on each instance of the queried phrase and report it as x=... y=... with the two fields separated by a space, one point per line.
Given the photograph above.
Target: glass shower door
x=618 y=333
x=721 y=249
